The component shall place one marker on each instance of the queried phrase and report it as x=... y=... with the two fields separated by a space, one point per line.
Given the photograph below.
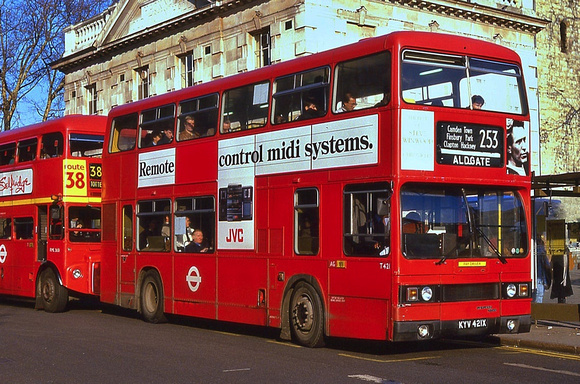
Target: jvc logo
x=236 y=235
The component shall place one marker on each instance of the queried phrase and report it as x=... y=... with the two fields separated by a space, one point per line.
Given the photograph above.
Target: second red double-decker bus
x=50 y=210
x=363 y=192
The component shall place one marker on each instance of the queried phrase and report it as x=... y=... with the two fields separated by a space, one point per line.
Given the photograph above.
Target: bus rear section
x=50 y=210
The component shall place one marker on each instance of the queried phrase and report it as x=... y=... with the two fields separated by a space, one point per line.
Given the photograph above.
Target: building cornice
x=92 y=53
x=455 y=8
x=470 y=10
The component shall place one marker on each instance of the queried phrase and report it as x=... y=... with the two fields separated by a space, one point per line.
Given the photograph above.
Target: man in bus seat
x=183 y=240
x=199 y=244
x=310 y=110
x=151 y=139
x=517 y=150
x=477 y=102
x=348 y=103
x=189 y=132
x=412 y=223
x=166 y=232
x=167 y=136
x=150 y=230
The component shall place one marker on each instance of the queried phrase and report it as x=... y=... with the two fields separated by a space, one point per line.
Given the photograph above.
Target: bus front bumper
x=434 y=329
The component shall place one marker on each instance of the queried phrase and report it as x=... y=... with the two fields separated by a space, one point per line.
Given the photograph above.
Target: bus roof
x=79 y=123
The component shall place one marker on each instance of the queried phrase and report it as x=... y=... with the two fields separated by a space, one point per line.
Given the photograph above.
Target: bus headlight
x=511 y=290
x=426 y=293
x=423 y=331
x=77 y=273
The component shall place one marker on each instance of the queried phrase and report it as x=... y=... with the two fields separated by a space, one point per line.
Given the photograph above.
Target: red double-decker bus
x=50 y=210
x=362 y=192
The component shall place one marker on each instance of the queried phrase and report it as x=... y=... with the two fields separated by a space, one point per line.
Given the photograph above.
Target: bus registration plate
x=472 y=324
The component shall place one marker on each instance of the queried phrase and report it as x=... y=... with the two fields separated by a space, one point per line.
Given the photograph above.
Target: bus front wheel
x=307 y=316
x=53 y=295
x=152 y=298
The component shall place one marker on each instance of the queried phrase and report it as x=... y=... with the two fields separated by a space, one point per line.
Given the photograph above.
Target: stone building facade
x=140 y=48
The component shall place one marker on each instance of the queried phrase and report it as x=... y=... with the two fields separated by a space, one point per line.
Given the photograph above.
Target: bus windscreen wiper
x=473 y=227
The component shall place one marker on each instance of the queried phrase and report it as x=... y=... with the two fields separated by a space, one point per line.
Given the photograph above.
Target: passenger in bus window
x=386 y=97
x=189 y=132
x=156 y=137
x=146 y=233
x=477 y=102
x=348 y=103
x=7 y=229
x=167 y=136
x=199 y=244
x=226 y=126
x=182 y=240
x=412 y=223
x=310 y=110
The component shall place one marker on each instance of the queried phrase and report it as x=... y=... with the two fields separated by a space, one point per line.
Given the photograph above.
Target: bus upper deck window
x=301 y=96
x=27 y=150
x=198 y=117
x=7 y=154
x=246 y=107
x=124 y=133
x=454 y=81
x=52 y=145
x=362 y=83
x=157 y=126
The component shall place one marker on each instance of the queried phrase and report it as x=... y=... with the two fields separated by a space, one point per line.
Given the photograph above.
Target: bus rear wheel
x=53 y=295
x=152 y=298
x=307 y=316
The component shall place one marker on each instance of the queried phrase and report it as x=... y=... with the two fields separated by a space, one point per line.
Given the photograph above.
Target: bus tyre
x=152 y=298
x=53 y=295
x=307 y=316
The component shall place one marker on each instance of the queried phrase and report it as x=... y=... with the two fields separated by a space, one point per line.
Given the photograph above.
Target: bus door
x=42 y=234
x=126 y=260
x=360 y=282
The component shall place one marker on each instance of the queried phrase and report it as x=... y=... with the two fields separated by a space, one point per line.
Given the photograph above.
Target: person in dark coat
x=561 y=284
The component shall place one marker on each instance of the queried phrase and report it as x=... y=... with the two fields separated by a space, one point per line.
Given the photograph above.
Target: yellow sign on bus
x=75 y=177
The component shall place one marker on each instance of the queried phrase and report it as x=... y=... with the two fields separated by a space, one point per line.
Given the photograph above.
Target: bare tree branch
x=31 y=37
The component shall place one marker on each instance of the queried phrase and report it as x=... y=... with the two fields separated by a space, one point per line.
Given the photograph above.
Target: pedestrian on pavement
x=561 y=286
x=544 y=270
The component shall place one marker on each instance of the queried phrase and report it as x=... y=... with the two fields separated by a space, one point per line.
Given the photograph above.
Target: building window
x=92 y=98
x=563 y=37
x=188 y=65
x=143 y=81
x=263 y=48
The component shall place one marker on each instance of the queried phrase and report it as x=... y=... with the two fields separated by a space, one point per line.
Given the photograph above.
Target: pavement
x=555 y=327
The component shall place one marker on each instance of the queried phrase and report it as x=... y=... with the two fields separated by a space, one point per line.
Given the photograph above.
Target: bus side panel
x=360 y=287
x=194 y=287
x=109 y=257
x=242 y=286
x=24 y=268
x=7 y=258
x=349 y=317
